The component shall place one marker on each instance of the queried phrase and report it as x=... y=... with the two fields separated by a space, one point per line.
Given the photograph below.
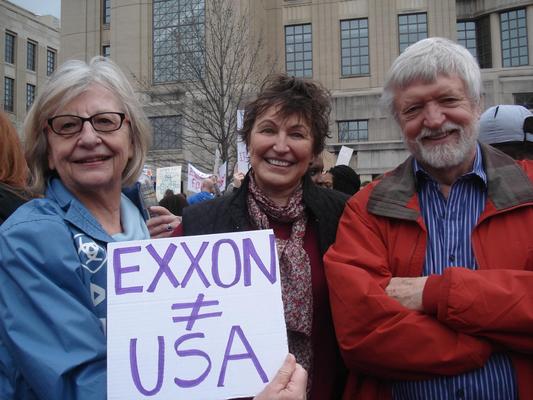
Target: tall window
x=353 y=131
x=31 y=53
x=513 y=27
x=484 y=45
x=9 y=94
x=30 y=95
x=411 y=29
x=299 y=50
x=106 y=50
x=354 y=47
x=50 y=61
x=167 y=132
x=466 y=35
x=178 y=38
x=475 y=36
x=106 y=12
x=9 y=50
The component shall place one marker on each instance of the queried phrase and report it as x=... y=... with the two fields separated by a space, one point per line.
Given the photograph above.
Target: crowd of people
x=416 y=286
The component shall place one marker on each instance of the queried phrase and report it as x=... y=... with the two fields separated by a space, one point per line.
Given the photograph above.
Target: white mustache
x=446 y=128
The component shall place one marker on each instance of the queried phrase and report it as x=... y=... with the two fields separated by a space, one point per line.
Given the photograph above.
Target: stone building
x=348 y=45
x=29 y=47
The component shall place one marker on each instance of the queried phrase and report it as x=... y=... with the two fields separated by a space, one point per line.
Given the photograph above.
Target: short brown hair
x=294 y=96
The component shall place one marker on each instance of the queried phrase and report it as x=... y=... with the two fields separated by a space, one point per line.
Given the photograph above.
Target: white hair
x=424 y=61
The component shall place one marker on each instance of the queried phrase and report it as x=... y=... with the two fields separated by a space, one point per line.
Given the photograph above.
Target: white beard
x=448 y=154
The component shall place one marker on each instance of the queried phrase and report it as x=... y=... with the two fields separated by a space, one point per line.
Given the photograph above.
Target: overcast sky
x=41 y=7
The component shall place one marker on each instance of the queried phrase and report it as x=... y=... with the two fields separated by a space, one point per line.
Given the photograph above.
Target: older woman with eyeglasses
x=86 y=138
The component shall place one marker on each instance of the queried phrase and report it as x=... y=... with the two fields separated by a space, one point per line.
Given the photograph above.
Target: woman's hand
x=290 y=383
x=162 y=225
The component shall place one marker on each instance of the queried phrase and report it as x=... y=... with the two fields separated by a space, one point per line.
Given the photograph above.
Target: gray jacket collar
x=507 y=183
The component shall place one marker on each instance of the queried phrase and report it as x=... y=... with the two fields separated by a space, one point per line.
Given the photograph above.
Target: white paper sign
x=243 y=162
x=196 y=318
x=168 y=178
x=195 y=178
x=240 y=119
x=345 y=154
x=222 y=173
x=216 y=165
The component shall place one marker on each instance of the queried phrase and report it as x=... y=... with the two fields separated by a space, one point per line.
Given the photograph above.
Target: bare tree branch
x=219 y=67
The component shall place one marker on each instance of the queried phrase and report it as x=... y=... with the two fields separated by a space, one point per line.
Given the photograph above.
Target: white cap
x=504 y=123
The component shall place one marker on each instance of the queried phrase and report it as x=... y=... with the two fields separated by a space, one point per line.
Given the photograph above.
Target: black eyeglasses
x=67 y=125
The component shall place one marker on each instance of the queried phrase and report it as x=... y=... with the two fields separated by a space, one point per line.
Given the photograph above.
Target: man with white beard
x=431 y=273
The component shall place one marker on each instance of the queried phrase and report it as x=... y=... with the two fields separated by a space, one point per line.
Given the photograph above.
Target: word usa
x=235 y=331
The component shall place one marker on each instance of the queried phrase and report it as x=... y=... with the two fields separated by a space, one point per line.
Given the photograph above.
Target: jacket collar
x=507 y=184
x=75 y=211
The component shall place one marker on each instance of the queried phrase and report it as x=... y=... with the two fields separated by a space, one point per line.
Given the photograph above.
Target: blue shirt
x=449 y=223
x=199 y=197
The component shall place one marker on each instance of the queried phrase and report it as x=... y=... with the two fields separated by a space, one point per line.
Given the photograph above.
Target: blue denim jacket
x=53 y=300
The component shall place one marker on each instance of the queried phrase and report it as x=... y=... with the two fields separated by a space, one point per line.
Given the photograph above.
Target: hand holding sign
x=162 y=223
x=289 y=383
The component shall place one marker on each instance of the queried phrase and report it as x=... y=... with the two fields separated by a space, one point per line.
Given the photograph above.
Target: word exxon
x=223 y=263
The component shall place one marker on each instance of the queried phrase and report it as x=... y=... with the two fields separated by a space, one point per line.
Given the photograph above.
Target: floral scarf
x=295 y=267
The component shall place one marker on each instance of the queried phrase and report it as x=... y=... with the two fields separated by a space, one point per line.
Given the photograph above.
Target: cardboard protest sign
x=222 y=174
x=345 y=154
x=240 y=119
x=196 y=318
x=168 y=178
x=148 y=174
x=216 y=164
x=243 y=161
x=195 y=178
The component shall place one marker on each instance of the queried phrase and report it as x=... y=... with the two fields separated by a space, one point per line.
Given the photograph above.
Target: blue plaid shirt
x=449 y=224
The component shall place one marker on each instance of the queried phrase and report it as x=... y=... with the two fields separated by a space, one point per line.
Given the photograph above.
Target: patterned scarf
x=295 y=267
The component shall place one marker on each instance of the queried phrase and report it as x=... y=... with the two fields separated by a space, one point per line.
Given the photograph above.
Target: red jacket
x=468 y=314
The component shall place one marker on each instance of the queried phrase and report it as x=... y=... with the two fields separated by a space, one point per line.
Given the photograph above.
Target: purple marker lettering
x=214 y=263
x=195 y=265
x=118 y=270
x=163 y=266
x=195 y=311
x=187 y=383
x=160 y=367
x=249 y=354
x=249 y=251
